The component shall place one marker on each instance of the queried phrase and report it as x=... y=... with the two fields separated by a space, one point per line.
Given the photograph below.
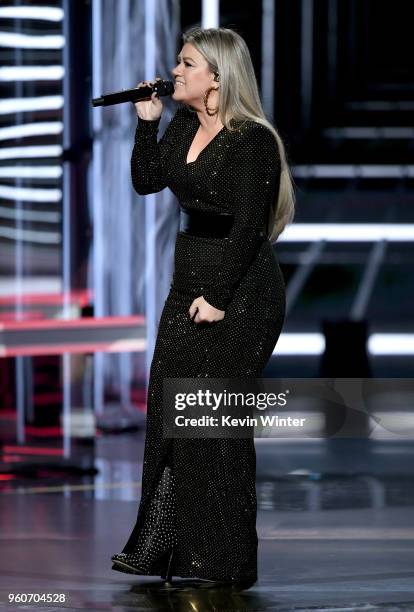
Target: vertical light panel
x=96 y=196
x=268 y=57
x=66 y=209
x=306 y=61
x=332 y=47
x=18 y=266
x=150 y=210
x=66 y=241
x=124 y=49
x=210 y=14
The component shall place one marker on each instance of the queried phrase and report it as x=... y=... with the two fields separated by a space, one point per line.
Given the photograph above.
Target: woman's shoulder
x=251 y=127
x=249 y=132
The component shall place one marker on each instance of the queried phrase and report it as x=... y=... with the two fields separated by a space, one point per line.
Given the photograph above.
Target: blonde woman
x=225 y=310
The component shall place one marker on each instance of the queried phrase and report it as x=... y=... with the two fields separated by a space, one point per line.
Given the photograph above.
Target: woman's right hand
x=149 y=109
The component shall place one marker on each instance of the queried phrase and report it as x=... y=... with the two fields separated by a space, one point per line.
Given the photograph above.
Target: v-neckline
x=192 y=136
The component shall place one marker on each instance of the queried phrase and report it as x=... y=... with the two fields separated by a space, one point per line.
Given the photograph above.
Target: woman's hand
x=206 y=313
x=149 y=109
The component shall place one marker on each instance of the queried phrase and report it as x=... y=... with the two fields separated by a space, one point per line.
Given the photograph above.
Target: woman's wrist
x=148 y=120
x=146 y=128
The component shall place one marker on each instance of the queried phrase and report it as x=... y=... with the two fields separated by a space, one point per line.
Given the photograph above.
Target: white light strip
x=47 y=13
x=391 y=344
x=31 y=129
x=353 y=171
x=29 y=194
x=16 y=105
x=39 y=216
x=30 y=235
x=24 y=41
x=30 y=73
x=38 y=151
x=31 y=172
x=314 y=344
x=300 y=344
x=286 y=347
x=348 y=232
x=210 y=14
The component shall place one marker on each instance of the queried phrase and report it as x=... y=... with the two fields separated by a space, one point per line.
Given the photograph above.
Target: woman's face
x=191 y=70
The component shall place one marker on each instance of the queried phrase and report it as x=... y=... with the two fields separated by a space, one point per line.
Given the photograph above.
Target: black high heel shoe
x=117 y=566
x=124 y=562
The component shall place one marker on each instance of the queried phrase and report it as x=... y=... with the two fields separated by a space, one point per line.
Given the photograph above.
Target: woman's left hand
x=206 y=312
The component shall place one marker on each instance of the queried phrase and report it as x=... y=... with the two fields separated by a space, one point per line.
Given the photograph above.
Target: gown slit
x=154 y=535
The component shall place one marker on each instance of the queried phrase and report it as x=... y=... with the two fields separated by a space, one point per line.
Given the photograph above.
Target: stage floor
x=328 y=540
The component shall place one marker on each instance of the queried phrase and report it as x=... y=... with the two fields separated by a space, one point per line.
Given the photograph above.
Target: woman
x=226 y=165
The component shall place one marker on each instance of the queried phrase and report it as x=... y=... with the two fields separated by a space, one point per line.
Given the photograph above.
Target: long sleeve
x=254 y=181
x=147 y=160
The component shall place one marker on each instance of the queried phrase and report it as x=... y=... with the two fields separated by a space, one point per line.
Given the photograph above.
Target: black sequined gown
x=198 y=495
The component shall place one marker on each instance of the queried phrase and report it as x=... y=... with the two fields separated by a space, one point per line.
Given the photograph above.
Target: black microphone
x=136 y=94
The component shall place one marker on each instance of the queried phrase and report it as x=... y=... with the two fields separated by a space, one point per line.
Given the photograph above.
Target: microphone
x=136 y=94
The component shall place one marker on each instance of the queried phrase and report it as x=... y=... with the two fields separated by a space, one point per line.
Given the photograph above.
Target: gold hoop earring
x=205 y=100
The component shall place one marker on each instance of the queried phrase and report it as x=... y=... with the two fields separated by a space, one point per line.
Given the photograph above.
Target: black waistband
x=200 y=223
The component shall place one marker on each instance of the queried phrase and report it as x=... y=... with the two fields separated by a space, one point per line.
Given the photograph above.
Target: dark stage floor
x=335 y=525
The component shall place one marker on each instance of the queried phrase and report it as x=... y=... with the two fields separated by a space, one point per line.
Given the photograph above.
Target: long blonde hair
x=226 y=52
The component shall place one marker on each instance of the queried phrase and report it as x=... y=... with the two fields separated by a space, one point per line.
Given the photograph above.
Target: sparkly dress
x=198 y=495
